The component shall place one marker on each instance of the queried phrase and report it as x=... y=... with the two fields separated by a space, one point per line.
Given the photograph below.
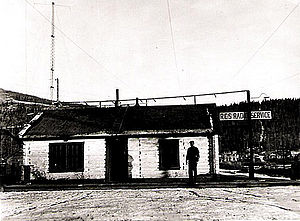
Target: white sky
x=127 y=44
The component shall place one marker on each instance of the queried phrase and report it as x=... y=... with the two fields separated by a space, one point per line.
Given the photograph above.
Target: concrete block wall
x=145 y=154
x=36 y=154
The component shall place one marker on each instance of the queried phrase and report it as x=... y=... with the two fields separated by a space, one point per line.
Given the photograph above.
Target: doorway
x=116 y=159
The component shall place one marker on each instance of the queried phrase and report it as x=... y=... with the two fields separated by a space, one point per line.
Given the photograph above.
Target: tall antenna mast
x=52 y=55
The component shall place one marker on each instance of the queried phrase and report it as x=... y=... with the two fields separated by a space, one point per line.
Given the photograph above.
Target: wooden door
x=116 y=159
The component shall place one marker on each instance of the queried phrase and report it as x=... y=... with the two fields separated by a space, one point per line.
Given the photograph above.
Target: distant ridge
x=6 y=96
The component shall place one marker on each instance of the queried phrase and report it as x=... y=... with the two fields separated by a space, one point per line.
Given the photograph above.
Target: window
x=169 y=154
x=66 y=157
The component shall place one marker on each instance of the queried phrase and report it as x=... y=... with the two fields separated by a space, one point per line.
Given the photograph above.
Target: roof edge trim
x=27 y=126
x=151 y=133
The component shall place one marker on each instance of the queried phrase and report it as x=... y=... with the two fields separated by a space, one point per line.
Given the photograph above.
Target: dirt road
x=273 y=203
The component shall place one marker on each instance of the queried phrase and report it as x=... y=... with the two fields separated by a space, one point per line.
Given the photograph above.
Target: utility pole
x=250 y=135
x=117 y=98
x=1 y=145
x=57 y=90
x=52 y=55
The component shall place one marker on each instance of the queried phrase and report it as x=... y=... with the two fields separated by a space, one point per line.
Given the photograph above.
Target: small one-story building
x=120 y=143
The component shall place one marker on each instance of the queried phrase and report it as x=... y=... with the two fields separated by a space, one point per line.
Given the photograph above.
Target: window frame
x=163 y=145
x=62 y=155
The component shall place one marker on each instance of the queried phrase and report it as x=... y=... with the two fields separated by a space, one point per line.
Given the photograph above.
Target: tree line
x=279 y=135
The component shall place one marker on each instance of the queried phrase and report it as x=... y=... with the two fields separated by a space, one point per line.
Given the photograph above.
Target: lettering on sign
x=265 y=115
x=232 y=115
x=255 y=115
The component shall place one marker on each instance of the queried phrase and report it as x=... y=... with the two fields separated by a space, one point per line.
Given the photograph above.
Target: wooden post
x=57 y=90
x=117 y=98
x=251 y=163
x=137 y=102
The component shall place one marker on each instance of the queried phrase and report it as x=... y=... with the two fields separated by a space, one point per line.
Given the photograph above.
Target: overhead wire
x=63 y=39
x=82 y=49
x=265 y=42
x=25 y=47
x=284 y=79
x=172 y=38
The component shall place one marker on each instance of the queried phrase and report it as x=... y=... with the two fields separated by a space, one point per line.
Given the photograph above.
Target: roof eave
x=28 y=126
x=131 y=133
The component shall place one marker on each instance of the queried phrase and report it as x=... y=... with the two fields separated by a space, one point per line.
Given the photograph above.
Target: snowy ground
x=272 y=203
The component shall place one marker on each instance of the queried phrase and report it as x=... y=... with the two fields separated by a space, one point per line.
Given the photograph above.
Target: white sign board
x=232 y=116
x=255 y=115
x=261 y=115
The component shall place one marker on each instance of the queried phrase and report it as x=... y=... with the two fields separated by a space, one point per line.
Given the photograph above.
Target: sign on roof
x=255 y=115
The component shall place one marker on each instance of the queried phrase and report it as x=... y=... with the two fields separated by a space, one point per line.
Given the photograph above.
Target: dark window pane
x=169 y=154
x=66 y=157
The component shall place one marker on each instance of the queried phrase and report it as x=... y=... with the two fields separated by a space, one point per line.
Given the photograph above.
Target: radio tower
x=52 y=55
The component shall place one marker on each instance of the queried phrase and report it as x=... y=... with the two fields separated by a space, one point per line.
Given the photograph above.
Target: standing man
x=192 y=158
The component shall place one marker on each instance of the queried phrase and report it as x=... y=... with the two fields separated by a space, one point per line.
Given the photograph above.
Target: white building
x=120 y=143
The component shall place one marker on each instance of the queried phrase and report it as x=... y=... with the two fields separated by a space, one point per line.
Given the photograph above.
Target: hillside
x=6 y=96
x=16 y=109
